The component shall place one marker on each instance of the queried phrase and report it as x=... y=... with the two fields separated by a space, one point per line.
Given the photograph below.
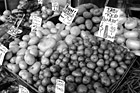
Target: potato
x=69 y=39
x=29 y=59
x=133 y=44
x=32 y=34
x=21 y=52
x=14 y=48
x=8 y=55
x=48 y=52
x=88 y=24
x=81 y=9
x=96 y=19
x=80 y=20
x=13 y=60
x=46 y=44
x=87 y=15
x=75 y=30
x=45 y=32
x=24 y=74
x=23 y=44
x=31 y=47
x=39 y=34
x=53 y=30
x=26 y=38
x=19 y=58
x=34 y=52
x=82 y=26
x=131 y=34
x=35 y=68
x=34 y=40
x=89 y=6
x=64 y=33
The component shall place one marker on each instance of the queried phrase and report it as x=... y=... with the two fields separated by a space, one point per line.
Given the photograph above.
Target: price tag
x=55 y=6
x=40 y=2
x=13 y=31
x=3 y=51
x=23 y=89
x=60 y=86
x=36 y=22
x=109 y=24
x=68 y=14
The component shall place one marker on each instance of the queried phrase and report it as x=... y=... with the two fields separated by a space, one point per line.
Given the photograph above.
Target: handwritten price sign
x=23 y=89
x=109 y=24
x=36 y=22
x=68 y=14
x=3 y=51
x=60 y=86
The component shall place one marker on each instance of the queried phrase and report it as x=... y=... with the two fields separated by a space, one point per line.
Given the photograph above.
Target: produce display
x=128 y=33
x=86 y=63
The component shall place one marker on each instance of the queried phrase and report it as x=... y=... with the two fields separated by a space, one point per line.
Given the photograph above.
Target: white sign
x=55 y=6
x=111 y=15
x=40 y=2
x=23 y=89
x=60 y=86
x=36 y=22
x=109 y=24
x=3 y=51
x=68 y=14
x=13 y=31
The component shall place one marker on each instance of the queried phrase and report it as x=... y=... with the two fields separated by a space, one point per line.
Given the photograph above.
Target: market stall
x=70 y=48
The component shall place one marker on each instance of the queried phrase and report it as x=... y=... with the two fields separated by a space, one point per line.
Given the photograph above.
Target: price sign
x=36 y=22
x=109 y=24
x=13 y=31
x=23 y=89
x=111 y=15
x=60 y=86
x=40 y=2
x=3 y=51
x=55 y=6
x=68 y=14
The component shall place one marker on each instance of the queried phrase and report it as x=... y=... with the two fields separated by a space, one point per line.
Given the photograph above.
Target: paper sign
x=40 y=2
x=111 y=15
x=68 y=14
x=55 y=6
x=23 y=89
x=3 y=51
x=13 y=31
x=107 y=31
x=36 y=22
x=109 y=24
x=60 y=86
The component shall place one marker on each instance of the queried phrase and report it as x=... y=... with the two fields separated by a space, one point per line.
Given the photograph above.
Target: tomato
x=70 y=78
x=100 y=63
x=95 y=76
x=106 y=81
x=100 y=90
x=78 y=80
x=82 y=88
x=111 y=71
x=97 y=85
x=70 y=87
x=86 y=80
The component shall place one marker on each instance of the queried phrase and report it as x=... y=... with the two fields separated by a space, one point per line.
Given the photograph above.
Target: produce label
x=109 y=24
x=36 y=22
x=3 y=51
x=107 y=31
x=111 y=15
x=23 y=89
x=13 y=31
x=40 y=2
x=60 y=86
x=68 y=14
x=55 y=6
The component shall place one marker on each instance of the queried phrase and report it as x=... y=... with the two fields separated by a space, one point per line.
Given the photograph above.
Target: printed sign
x=36 y=22
x=60 y=86
x=109 y=24
x=68 y=14
x=55 y=6
x=3 y=51
x=23 y=89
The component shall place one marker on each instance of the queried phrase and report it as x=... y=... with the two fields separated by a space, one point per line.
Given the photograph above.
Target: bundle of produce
x=86 y=63
x=128 y=33
x=88 y=17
